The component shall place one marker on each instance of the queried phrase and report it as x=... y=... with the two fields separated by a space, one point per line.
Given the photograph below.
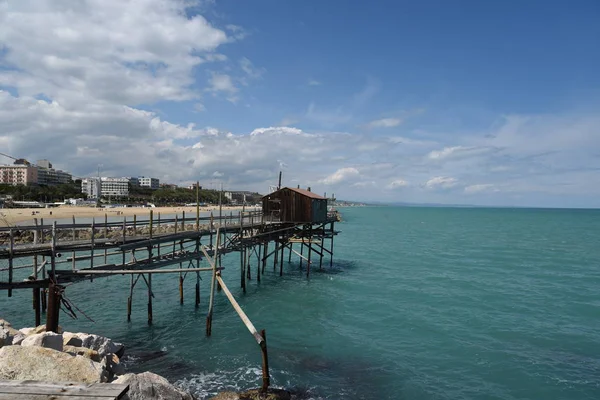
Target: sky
x=454 y=102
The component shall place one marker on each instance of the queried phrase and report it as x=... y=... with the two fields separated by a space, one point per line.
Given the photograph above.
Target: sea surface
x=420 y=303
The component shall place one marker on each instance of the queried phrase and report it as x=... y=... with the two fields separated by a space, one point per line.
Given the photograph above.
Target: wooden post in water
x=210 y=229
x=92 y=244
x=53 y=256
x=54 y=296
x=266 y=381
x=308 y=263
x=124 y=236
x=197 y=304
x=265 y=255
x=150 y=297
x=130 y=299
x=212 y=286
x=73 y=238
x=36 y=291
x=331 y=250
x=248 y=256
x=10 y=260
x=152 y=221
x=290 y=255
x=105 y=236
x=258 y=263
x=183 y=221
x=281 y=258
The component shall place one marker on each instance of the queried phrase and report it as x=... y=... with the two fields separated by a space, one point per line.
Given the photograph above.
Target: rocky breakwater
x=34 y=354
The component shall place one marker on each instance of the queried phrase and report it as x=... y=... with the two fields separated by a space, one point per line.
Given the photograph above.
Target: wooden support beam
x=150 y=294
x=54 y=297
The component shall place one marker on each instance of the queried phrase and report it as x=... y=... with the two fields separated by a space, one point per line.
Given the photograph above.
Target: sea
x=419 y=303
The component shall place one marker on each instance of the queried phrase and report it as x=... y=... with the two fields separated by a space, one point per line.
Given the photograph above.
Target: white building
x=92 y=187
x=118 y=187
x=151 y=183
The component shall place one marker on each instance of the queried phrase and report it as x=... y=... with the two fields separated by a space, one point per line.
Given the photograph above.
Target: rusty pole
x=54 y=297
x=265 y=362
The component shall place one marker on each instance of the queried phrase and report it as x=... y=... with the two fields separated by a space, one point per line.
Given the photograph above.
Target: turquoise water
x=421 y=303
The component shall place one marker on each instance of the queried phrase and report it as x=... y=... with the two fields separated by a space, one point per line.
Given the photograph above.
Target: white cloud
x=250 y=70
x=398 y=183
x=443 y=182
x=114 y=51
x=341 y=175
x=199 y=107
x=313 y=82
x=458 y=152
x=385 y=123
x=221 y=83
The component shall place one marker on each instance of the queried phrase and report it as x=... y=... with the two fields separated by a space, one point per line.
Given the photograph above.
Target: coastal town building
x=118 y=187
x=150 y=183
x=50 y=176
x=92 y=187
x=21 y=174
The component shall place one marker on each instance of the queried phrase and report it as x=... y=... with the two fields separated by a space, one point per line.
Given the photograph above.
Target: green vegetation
x=42 y=193
x=170 y=196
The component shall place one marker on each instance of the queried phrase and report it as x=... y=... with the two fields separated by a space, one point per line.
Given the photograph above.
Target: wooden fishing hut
x=295 y=205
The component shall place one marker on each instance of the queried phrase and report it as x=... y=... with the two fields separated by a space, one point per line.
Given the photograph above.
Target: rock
x=27 y=331
x=71 y=339
x=226 y=396
x=42 y=329
x=82 y=351
x=149 y=386
x=10 y=336
x=101 y=344
x=112 y=364
x=42 y=364
x=4 y=322
x=49 y=340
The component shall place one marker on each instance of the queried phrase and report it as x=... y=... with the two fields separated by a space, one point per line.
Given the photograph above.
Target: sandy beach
x=12 y=216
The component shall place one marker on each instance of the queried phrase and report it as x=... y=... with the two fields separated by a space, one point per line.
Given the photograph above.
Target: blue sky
x=478 y=102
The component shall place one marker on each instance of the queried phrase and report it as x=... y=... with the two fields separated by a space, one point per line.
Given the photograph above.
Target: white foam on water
x=206 y=385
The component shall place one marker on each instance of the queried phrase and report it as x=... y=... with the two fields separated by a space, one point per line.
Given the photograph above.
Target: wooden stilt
x=54 y=296
x=180 y=288
x=197 y=289
x=10 y=261
x=214 y=265
x=248 y=269
x=331 y=249
x=290 y=253
x=308 y=264
x=266 y=380
x=149 y=299
x=130 y=300
x=281 y=259
x=265 y=255
x=258 y=263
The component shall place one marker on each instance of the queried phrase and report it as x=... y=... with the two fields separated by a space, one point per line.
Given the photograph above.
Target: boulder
x=71 y=339
x=49 y=340
x=42 y=364
x=149 y=386
x=101 y=344
x=4 y=322
x=82 y=351
x=42 y=329
x=27 y=331
x=113 y=366
x=10 y=336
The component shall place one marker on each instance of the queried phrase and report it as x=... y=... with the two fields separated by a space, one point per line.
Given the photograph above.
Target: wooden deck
x=35 y=390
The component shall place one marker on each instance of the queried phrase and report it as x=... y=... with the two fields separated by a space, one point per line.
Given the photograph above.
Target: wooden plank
x=31 y=389
x=239 y=310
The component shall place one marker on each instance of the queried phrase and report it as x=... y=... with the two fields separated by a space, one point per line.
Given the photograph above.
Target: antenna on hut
x=279 y=185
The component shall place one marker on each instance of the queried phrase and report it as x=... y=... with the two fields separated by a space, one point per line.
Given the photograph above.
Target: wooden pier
x=137 y=248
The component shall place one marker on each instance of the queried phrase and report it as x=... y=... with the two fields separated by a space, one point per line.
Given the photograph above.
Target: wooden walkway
x=35 y=390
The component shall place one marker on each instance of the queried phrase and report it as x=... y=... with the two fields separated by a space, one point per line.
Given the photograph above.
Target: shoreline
x=13 y=216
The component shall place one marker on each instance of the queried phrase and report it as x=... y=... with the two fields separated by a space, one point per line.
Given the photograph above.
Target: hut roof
x=303 y=192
